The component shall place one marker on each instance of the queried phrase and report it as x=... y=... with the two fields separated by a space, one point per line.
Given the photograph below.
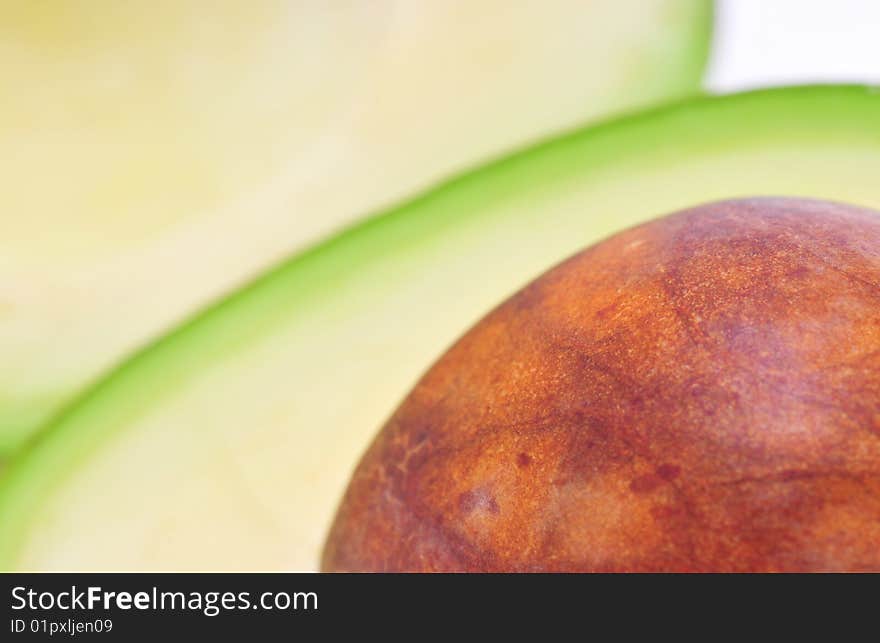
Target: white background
x=759 y=43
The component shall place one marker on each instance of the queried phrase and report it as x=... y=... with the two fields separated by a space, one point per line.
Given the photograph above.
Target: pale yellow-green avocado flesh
x=157 y=155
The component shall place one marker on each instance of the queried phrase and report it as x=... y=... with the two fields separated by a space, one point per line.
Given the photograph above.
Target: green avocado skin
x=312 y=357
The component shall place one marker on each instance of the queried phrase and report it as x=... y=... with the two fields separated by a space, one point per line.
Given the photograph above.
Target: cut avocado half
x=156 y=155
x=227 y=444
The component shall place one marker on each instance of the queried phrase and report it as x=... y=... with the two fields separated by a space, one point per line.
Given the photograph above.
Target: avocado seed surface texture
x=699 y=393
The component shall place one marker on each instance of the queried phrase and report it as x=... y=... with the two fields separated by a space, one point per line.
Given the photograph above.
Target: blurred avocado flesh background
x=227 y=444
x=158 y=154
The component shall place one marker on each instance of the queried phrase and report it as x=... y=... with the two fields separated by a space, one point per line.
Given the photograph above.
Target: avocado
x=227 y=444
x=147 y=171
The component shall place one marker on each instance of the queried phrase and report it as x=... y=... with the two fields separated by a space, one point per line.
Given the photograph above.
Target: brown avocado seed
x=699 y=393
